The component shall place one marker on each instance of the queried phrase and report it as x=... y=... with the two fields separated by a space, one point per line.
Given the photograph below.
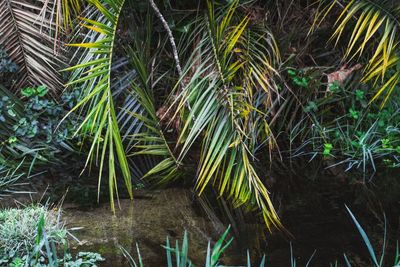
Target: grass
x=9 y=180
x=36 y=236
x=19 y=229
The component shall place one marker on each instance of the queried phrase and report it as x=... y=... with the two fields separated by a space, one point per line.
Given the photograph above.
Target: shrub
x=30 y=134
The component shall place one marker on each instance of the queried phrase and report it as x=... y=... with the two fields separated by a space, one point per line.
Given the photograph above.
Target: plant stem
x=171 y=37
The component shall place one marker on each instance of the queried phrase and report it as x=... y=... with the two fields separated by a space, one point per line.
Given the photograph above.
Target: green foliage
x=145 y=134
x=7 y=66
x=34 y=235
x=21 y=230
x=230 y=79
x=96 y=102
x=29 y=132
x=327 y=149
x=42 y=116
x=34 y=119
x=82 y=259
x=298 y=78
x=344 y=126
x=222 y=103
x=226 y=105
x=39 y=91
x=377 y=25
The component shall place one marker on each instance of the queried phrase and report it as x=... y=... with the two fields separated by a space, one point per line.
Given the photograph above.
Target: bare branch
x=171 y=37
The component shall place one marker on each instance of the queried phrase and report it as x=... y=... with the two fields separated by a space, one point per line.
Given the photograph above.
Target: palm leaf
x=64 y=13
x=233 y=68
x=93 y=75
x=145 y=135
x=377 y=24
x=151 y=140
x=29 y=43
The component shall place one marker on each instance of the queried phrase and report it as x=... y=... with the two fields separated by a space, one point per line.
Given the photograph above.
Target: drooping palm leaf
x=93 y=75
x=145 y=134
x=29 y=43
x=228 y=71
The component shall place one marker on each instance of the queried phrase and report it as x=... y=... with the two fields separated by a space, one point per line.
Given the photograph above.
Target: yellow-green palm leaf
x=376 y=25
x=93 y=75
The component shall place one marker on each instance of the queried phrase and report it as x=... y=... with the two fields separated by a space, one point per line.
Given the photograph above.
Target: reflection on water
x=147 y=220
x=317 y=220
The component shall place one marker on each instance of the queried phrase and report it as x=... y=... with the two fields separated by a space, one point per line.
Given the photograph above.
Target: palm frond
x=67 y=11
x=145 y=134
x=93 y=75
x=151 y=140
x=233 y=70
x=377 y=24
x=64 y=13
x=27 y=40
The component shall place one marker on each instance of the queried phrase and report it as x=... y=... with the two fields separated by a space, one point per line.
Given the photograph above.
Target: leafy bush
x=42 y=116
x=30 y=131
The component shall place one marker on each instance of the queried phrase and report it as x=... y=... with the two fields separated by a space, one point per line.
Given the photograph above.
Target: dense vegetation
x=212 y=95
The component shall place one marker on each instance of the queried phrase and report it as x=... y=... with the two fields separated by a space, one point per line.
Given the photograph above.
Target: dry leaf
x=341 y=75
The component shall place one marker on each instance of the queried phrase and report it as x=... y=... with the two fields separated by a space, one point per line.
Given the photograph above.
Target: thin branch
x=171 y=37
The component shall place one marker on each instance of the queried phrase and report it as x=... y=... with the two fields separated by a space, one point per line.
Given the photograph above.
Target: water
x=147 y=220
x=317 y=221
x=311 y=208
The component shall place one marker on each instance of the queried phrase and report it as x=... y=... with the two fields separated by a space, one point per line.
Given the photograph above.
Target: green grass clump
x=35 y=236
x=19 y=233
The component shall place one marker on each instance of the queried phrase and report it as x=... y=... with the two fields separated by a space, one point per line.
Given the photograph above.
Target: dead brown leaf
x=341 y=75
